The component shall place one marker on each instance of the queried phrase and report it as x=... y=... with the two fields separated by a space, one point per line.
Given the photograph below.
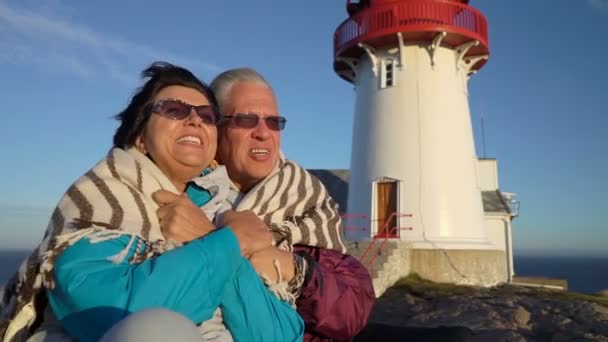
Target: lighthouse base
x=465 y=267
x=395 y=259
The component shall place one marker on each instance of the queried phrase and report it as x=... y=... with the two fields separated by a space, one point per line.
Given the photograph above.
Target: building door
x=386 y=206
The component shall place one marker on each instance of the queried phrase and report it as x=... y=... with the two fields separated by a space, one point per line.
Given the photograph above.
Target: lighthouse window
x=388 y=73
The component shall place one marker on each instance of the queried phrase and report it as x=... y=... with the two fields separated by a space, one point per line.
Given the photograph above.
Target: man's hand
x=251 y=232
x=263 y=262
x=180 y=219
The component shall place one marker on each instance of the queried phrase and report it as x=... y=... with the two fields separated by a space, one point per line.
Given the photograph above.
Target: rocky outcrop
x=504 y=313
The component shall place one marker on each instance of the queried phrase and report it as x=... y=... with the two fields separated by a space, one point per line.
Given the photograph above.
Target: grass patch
x=421 y=287
x=571 y=296
x=424 y=288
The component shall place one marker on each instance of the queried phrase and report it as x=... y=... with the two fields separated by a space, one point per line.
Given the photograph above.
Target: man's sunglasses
x=275 y=123
x=176 y=109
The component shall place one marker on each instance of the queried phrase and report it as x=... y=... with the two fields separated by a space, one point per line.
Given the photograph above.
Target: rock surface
x=504 y=313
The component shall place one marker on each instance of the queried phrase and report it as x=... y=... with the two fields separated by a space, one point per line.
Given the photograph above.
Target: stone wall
x=394 y=268
x=465 y=267
x=394 y=260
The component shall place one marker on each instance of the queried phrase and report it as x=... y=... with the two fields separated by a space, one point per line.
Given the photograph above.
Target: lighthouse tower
x=414 y=170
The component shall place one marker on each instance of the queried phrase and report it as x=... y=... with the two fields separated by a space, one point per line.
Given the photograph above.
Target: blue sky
x=68 y=66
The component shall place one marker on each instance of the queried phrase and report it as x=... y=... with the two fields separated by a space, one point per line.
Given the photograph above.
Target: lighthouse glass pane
x=386 y=209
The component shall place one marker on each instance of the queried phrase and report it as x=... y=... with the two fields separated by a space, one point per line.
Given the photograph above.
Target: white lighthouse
x=414 y=173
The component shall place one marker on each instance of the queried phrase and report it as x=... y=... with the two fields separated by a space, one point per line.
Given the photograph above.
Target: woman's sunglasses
x=176 y=109
x=275 y=123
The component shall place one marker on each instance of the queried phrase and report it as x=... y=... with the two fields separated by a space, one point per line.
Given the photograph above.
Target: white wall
x=499 y=228
x=495 y=227
x=419 y=133
x=488 y=174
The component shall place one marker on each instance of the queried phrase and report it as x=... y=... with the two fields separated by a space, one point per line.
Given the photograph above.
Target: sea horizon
x=584 y=274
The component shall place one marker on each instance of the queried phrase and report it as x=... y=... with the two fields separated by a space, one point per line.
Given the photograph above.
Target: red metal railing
x=349 y=227
x=381 y=237
x=411 y=16
x=385 y=238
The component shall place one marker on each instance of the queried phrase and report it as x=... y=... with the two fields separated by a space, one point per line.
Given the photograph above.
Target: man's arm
x=319 y=225
x=337 y=295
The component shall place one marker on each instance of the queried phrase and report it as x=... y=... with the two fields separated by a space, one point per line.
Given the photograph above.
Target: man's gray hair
x=222 y=84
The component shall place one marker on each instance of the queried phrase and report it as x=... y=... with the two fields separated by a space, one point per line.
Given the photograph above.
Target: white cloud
x=599 y=4
x=37 y=38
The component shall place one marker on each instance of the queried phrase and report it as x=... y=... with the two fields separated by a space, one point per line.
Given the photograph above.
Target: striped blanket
x=114 y=198
x=297 y=208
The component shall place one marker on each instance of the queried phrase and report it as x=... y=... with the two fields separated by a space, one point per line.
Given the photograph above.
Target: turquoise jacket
x=92 y=293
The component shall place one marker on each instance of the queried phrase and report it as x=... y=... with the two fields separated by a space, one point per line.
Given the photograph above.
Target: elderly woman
x=129 y=235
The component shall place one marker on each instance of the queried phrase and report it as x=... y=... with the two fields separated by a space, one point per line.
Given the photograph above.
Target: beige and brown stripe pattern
x=292 y=201
x=114 y=196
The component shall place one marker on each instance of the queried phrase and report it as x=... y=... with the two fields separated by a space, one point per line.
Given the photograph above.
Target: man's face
x=250 y=154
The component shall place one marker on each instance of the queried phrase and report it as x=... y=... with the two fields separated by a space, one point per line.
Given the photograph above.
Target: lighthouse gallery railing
x=411 y=16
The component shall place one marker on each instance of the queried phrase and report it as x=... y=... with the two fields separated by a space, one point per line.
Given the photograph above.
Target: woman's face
x=182 y=149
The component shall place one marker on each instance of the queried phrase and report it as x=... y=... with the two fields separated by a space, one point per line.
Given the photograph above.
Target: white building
x=415 y=177
x=500 y=208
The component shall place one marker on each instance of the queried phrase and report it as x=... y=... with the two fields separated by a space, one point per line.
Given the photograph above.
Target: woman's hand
x=251 y=232
x=263 y=262
x=180 y=219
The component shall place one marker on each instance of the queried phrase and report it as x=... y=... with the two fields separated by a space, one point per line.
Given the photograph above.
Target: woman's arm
x=253 y=314
x=92 y=293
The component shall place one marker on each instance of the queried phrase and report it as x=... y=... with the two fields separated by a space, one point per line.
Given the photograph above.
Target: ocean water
x=584 y=274
x=9 y=263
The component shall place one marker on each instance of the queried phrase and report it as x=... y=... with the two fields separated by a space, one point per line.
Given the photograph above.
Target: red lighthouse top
x=377 y=22
x=353 y=7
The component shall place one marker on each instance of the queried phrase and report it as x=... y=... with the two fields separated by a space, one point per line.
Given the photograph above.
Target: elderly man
x=333 y=291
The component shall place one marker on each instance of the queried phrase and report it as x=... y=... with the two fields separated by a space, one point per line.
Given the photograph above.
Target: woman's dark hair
x=160 y=75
